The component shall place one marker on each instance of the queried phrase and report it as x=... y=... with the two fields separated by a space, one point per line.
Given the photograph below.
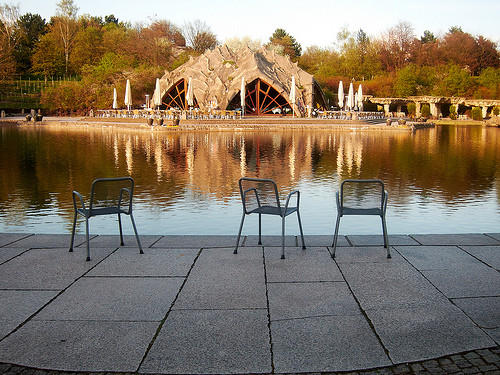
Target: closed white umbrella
x=115 y=99
x=292 y=95
x=242 y=95
x=360 y=98
x=189 y=94
x=157 y=94
x=350 y=97
x=128 y=95
x=341 y=95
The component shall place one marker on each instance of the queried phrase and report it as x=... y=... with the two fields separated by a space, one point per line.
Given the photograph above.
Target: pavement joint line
x=475 y=257
x=162 y=322
x=268 y=312
x=365 y=315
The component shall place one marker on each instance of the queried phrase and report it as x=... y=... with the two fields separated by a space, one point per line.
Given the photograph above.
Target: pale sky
x=313 y=22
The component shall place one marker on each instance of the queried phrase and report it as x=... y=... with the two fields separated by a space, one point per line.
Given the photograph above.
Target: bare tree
x=9 y=15
x=66 y=25
x=199 y=36
x=396 y=45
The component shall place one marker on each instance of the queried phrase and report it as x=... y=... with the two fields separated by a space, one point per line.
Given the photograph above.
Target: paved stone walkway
x=188 y=305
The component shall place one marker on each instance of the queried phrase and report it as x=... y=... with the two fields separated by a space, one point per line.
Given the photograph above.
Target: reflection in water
x=439 y=180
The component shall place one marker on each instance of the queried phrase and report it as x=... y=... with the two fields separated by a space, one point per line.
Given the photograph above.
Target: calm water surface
x=442 y=180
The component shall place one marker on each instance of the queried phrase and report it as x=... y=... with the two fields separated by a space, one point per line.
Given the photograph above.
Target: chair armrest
x=386 y=197
x=295 y=192
x=337 y=198
x=82 y=203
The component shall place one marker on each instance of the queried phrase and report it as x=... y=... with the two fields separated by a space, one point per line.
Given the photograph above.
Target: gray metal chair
x=260 y=196
x=362 y=197
x=108 y=196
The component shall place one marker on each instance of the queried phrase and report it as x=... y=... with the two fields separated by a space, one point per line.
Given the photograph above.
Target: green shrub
x=412 y=109
x=453 y=112
x=476 y=114
x=425 y=111
x=496 y=111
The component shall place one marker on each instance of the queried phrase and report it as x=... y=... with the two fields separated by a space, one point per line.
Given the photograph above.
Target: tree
x=48 y=58
x=66 y=25
x=9 y=15
x=237 y=44
x=199 y=37
x=428 y=37
x=288 y=43
x=460 y=49
x=30 y=28
x=88 y=48
x=396 y=46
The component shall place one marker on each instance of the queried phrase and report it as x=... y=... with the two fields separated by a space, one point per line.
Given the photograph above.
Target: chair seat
x=361 y=211
x=273 y=210
x=104 y=211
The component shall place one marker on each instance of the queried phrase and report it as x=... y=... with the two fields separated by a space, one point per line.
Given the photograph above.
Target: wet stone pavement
x=191 y=306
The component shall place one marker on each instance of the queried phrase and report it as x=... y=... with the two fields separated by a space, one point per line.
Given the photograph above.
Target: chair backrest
x=112 y=192
x=363 y=195
x=258 y=192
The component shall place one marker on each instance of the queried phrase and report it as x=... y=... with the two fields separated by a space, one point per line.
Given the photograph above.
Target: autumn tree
x=88 y=48
x=396 y=45
x=48 y=58
x=9 y=15
x=30 y=28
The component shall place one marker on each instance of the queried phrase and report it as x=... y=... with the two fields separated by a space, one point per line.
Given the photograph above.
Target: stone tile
x=18 y=305
x=322 y=240
x=312 y=264
x=455 y=239
x=484 y=311
x=419 y=332
x=49 y=241
x=378 y=240
x=154 y=262
x=437 y=257
x=124 y=299
x=494 y=334
x=223 y=280
x=7 y=253
x=197 y=242
x=371 y=254
x=302 y=300
x=11 y=238
x=473 y=281
x=488 y=254
x=386 y=285
x=47 y=268
x=79 y=345
x=290 y=241
x=325 y=344
x=494 y=235
x=128 y=240
x=211 y=342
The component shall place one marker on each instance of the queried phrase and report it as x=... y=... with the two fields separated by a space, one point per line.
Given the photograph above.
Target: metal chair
x=108 y=196
x=362 y=197
x=260 y=196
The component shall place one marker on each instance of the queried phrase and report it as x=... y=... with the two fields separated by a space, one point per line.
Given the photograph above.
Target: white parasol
x=157 y=94
x=189 y=94
x=292 y=95
x=243 y=94
x=350 y=97
x=360 y=98
x=115 y=99
x=128 y=95
x=341 y=95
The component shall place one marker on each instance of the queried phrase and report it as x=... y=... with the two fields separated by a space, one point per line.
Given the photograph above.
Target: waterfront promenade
x=188 y=305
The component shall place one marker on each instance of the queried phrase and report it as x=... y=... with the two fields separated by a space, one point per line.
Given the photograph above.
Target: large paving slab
x=211 y=342
x=487 y=254
x=52 y=268
x=98 y=346
x=437 y=257
x=378 y=240
x=114 y=241
x=223 y=280
x=114 y=298
x=11 y=238
x=325 y=344
x=456 y=239
x=7 y=253
x=47 y=241
x=484 y=311
x=154 y=262
x=193 y=241
x=312 y=264
x=18 y=305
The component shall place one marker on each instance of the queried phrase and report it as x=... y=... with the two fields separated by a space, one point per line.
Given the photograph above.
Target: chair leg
x=260 y=229
x=87 y=234
x=301 y=232
x=334 y=245
x=283 y=237
x=386 y=238
x=136 y=235
x=239 y=234
x=121 y=232
x=73 y=234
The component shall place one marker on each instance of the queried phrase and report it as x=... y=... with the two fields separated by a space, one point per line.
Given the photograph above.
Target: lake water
x=441 y=180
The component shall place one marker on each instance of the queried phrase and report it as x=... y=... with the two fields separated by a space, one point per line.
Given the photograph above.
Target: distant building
x=217 y=76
